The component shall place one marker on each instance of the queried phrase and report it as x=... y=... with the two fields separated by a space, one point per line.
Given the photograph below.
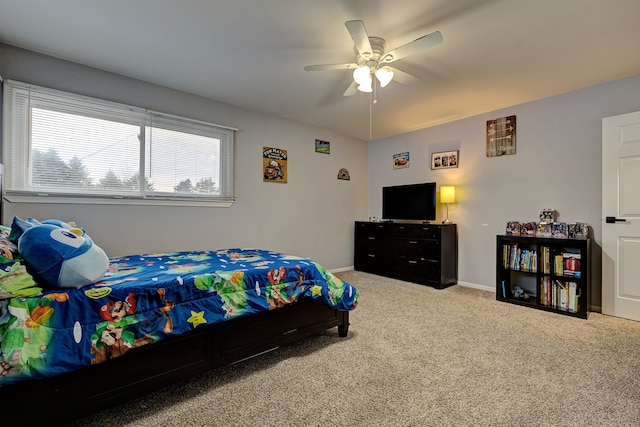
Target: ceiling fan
x=372 y=60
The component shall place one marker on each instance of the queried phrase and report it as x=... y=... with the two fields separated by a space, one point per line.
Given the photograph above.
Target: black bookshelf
x=544 y=273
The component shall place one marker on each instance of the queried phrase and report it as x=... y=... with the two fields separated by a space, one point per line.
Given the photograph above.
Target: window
x=58 y=144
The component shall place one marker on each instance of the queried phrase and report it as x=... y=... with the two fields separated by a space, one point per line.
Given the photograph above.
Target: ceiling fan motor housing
x=378 y=46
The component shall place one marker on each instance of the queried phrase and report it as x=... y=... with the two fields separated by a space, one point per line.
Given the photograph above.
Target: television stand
x=421 y=253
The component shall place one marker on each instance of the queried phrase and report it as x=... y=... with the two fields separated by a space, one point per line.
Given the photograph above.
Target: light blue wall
x=557 y=165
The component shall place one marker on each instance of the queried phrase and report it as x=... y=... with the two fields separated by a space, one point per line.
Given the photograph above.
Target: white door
x=621 y=216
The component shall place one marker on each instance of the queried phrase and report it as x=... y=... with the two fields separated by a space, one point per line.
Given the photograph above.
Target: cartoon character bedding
x=143 y=299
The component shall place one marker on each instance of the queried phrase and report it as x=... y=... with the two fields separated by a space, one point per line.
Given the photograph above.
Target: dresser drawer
x=403 y=230
x=373 y=244
x=372 y=262
x=416 y=269
x=416 y=248
x=427 y=232
x=371 y=229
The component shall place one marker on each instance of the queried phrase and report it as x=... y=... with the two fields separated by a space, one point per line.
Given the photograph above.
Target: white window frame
x=16 y=148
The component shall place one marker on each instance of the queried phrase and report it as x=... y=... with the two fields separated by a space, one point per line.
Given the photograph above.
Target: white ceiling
x=252 y=53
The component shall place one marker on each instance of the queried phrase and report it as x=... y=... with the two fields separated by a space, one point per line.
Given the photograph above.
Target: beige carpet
x=417 y=356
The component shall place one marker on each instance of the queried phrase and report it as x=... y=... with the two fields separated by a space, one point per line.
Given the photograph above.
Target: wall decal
x=344 y=174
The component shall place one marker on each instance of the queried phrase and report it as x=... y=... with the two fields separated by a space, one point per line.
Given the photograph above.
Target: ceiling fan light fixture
x=362 y=75
x=366 y=86
x=384 y=76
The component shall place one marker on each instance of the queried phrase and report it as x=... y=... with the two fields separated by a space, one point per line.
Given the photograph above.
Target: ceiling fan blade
x=323 y=67
x=360 y=38
x=416 y=46
x=403 y=77
x=351 y=90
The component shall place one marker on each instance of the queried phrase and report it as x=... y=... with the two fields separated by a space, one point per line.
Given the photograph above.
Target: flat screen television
x=409 y=202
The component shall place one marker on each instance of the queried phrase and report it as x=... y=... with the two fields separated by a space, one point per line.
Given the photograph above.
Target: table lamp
x=447 y=195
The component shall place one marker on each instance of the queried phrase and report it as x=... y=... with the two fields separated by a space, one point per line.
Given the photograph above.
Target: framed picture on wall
x=444 y=159
x=323 y=147
x=401 y=160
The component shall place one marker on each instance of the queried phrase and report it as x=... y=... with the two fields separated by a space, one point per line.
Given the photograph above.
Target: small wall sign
x=322 y=146
x=274 y=164
x=401 y=160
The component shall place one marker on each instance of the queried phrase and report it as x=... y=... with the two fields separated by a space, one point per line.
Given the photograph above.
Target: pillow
x=57 y=254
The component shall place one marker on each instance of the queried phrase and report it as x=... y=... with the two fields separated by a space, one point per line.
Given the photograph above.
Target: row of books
x=518 y=259
x=526 y=259
x=564 y=230
x=564 y=263
x=559 y=294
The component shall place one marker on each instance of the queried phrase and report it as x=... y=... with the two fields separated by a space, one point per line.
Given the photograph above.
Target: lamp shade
x=384 y=76
x=366 y=86
x=362 y=75
x=447 y=194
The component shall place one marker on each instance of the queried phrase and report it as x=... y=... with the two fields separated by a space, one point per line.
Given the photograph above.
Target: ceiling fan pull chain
x=375 y=90
x=370 y=116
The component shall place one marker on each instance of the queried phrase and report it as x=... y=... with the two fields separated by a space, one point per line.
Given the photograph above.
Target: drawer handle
x=371 y=255
x=413 y=262
x=413 y=242
x=371 y=238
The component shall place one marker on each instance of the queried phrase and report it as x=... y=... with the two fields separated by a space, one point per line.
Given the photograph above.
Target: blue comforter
x=146 y=298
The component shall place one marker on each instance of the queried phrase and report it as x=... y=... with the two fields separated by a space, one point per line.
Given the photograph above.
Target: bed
x=154 y=319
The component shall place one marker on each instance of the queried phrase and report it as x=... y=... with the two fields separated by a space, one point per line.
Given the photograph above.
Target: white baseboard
x=340 y=270
x=465 y=284
x=476 y=286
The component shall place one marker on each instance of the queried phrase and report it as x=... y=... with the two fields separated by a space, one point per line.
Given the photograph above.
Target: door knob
x=613 y=220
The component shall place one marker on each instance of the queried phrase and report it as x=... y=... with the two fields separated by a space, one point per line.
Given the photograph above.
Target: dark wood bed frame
x=66 y=397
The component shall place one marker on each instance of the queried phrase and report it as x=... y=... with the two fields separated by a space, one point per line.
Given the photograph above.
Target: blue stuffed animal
x=57 y=254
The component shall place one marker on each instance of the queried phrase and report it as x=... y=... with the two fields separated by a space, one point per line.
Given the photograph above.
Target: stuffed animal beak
x=78 y=232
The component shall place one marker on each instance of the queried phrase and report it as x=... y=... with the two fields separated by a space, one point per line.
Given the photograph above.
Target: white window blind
x=61 y=144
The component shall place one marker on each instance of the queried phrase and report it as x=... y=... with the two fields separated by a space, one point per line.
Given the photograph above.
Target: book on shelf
x=558 y=264
x=571 y=264
x=563 y=288
x=505 y=256
x=573 y=298
x=545 y=259
x=519 y=259
x=545 y=290
x=559 y=294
